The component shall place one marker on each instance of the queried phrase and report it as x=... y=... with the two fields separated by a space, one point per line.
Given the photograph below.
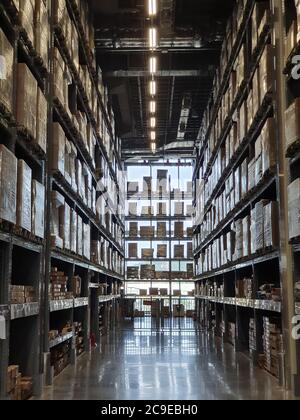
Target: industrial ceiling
x=190 y=34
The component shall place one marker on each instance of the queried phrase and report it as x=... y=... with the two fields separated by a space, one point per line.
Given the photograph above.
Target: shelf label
x=2 y=328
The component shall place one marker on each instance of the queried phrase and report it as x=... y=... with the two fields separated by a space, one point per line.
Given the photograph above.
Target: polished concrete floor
x=180 y=363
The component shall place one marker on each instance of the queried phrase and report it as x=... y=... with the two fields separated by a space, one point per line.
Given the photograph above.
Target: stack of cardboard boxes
x=273 y=345
x=22 y=294
x=252 y=336
x=58 y=288
x=18 y=388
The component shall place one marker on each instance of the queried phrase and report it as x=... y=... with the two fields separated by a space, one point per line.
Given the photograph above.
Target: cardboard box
x=147 y=253
x=267 y=71
x=41 y=30
x=162 y=251
x=24 y=196
x=294 y=208
x=132 y=250
x=65 y=225
x=246 y=237
x=8 y=185
x=26 y=15
x=6 y=72
x=87 y=241
x=133 y=273
x=74 y=221
x=26 y=114
x=178 y=251
x=269 y=152
x=178 y=230
x=79 y=236
x=292 y=123
x=133 y=229
x=161 y=229
x=132 y=211
x=147 y=232
x=58 y=149
x=38 y=209
x=271 y=225
x=161 y=209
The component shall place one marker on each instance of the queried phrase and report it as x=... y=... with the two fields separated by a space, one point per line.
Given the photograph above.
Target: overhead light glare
x=152 y=7
x=153 y=107
x=153 y=65
x=153 y=38
x=152 y=88
x=153 y=122
x=153 y=147
x=153 y=135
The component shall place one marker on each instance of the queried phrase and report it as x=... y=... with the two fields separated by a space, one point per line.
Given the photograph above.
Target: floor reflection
x=175 y=363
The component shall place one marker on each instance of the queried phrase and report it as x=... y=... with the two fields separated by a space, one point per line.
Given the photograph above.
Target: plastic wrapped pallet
x=8 y=185
x=132 y=250
x=268 y=139
x=267 y=71
x=147 y=253
x=65 y=225
x=38 y=209
x=58 y=149
x=24 y=196
x=26 y=14
x=178 y=251
x=57 y=201
x=161 y=229
x=6 y=72
x=74 y=227
x=27 y=99
x=292 y=123
x=87 y=241
x=41 y=121
x=161 y=209
x=41 y=30
x=162 y=251
x=271 y=228
x=294 y=208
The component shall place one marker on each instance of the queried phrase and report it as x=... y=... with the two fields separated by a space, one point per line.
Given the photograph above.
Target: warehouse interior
x=149 y=200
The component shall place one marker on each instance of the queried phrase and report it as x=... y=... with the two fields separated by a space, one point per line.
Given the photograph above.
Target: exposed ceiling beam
x=163 y=73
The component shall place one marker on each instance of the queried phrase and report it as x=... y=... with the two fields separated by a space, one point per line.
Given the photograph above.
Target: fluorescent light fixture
x=153 y=107
x=153 y=147
x=152 y=7
x=153 y=65
x=152 y=122
x=153 y=135
x=152 y=88
x=152 y=38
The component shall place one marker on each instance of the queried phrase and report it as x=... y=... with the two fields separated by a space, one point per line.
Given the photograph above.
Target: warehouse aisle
x=137 y=364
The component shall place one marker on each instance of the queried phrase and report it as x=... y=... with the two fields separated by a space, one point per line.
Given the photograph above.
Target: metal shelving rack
x=24 y=340
x=217 y=312
x=170 y=239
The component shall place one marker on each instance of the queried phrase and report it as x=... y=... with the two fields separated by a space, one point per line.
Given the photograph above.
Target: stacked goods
x=190 y=250
x=162 y=251
x=294 y=208
x=161 y=209
x=178 y=251
x=60 y=357
x=147 y=186
x=244 y=288
x=41 y=30
x=189 y=232
x=38 y=205
x=27 y=100
x=147 y=253
x=178 y=310
x=162 y=275
x=132 y=273
x=189 y=210
x=132 y=211
x=76 y=286
x=161 y=229
x=273 y=345
x=22 y=294
x=153 y=291
x=132 y=250
x=57 y=201
x=162 y=182
x=166 y=312
x=292 y=124
x=132 y=188
x=6 y=79
x=148 y=272
x=133 y=229
x=178 y=230
x=143 y=292
x=269 y=292
x=252 y=335
x=147 y=232
x=178 y=275
x=18 y=387
x=260 y=17
x=58 y=286
x=163 y=292
x=79 y=339
x=147 y=211
x=8 y=185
